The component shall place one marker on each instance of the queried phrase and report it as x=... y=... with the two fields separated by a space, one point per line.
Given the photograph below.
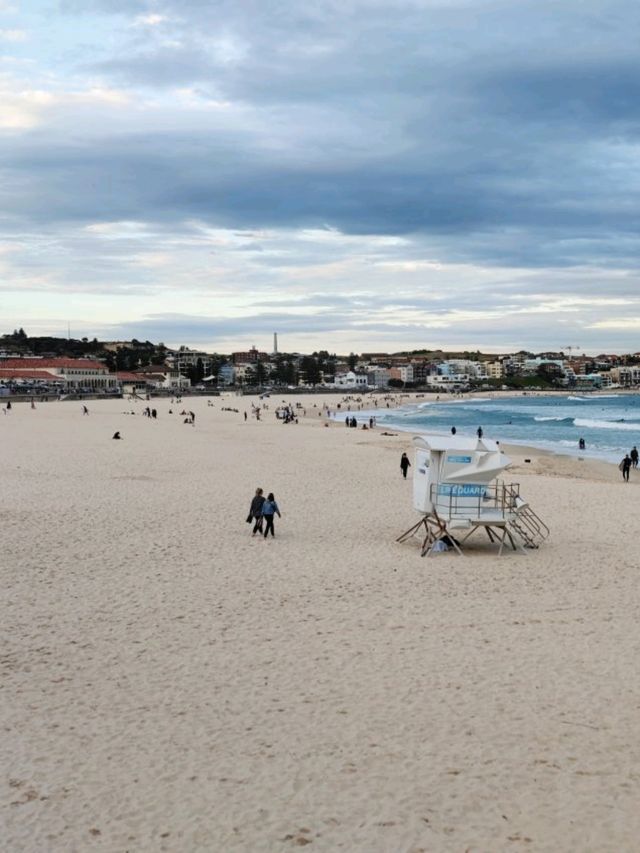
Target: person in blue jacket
x=269 y=510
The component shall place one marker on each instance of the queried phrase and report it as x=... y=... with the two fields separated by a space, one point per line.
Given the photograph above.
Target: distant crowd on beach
x=288 y=413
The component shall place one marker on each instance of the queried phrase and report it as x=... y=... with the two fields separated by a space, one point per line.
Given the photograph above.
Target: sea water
x=609 y=423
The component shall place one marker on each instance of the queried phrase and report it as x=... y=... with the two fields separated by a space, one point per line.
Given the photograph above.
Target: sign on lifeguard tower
x=455 y=488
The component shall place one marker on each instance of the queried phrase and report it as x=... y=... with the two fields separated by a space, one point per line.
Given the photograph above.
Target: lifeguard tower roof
x=456 y=442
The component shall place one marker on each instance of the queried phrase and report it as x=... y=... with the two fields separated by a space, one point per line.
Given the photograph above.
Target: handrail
x=530 y=520
x=494 y=496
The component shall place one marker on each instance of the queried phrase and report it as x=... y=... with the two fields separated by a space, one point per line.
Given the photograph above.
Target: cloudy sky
x=354 y=174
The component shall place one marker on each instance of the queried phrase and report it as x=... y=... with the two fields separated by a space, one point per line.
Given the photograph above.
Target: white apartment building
x=625 y=376
x=245 y=373
x=495 y=369
x=403 y=372
x=464 y=366
x=163 y=376
x=350 y=380
x=453 y=382
x=185 y=358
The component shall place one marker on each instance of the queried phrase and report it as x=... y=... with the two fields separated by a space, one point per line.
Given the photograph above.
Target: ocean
x=609 y=423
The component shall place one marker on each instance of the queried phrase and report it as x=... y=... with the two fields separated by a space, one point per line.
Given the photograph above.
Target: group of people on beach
x=262 y=512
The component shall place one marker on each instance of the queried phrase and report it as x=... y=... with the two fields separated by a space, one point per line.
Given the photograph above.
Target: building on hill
x=401 y=372
x=627 y=376
x=73 y=373
x=350 y=379
x=381 y=358
x=378 y=377
x=114 y=346
x=184 y=358
x=162 y=376
x=495 y=369
x=251 y=356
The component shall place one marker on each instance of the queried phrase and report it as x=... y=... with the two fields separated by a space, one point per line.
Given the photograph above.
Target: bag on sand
x=249 y=518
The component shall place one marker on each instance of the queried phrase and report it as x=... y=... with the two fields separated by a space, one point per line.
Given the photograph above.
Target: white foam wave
x=592 y=424
x=552 y=418
x=463 y=401
x=595 y=398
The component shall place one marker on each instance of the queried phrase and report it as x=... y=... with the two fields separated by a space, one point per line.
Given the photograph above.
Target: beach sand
x=170 y=683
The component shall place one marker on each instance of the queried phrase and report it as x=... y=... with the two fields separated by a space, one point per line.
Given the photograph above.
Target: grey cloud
x=188 y=328
x=493 y=134
x=167 y=66
x=470 y=214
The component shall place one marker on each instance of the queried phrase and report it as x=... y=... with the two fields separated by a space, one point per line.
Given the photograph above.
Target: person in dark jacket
x=404 y=465
x=269 y=509
x=255 y=513
x=625 y=467
x=633 y=455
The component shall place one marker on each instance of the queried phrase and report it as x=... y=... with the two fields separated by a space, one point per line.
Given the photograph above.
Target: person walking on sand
x=255 y=512
x=634 y=456
x=479 y=431
x=85 y=411
x=625 y=467
x=404 y=465
x=269 y=509
x=453 y=430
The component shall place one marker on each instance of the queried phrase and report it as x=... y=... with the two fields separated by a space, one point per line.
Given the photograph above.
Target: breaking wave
x=590 y=399
x=631 y=426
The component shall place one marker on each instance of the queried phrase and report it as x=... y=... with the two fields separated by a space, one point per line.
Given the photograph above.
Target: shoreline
x=516 y=447
x=396 y=400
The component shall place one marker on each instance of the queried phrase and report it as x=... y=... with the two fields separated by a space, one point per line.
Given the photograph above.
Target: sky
x=356 y=175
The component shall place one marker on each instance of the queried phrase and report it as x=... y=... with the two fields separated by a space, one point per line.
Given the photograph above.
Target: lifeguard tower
x=456 y=491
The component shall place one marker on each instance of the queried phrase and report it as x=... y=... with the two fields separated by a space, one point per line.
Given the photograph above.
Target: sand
x=170 y=683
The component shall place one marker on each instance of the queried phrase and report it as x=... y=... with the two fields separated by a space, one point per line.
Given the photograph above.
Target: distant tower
x=275 y=343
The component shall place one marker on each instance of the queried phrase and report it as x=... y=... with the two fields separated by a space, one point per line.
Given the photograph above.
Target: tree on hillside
x=309 y=367
x=260 y=373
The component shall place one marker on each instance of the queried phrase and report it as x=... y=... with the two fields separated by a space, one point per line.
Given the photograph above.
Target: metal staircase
x=528 y=526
